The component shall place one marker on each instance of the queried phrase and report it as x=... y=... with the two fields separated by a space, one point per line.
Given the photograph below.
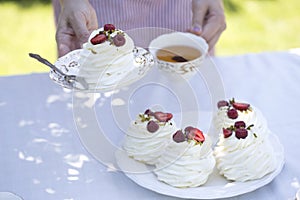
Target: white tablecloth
x=42 y=156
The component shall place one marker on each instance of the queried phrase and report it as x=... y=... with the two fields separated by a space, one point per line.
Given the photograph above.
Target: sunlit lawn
x=256 y=26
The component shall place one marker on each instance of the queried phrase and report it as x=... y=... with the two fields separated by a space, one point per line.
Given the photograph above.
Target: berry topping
x=241 y=106
x=188 y=129
x=119 y=40
x=163 y=117
x=232 y=113
x=196 y=134
x=179 y=136
x=222 y=103
x=152 y=126
x=99 y=38
x=227 y=132
x=149 y=112
x=241 y=133
x=240 y=124
x=109 y=27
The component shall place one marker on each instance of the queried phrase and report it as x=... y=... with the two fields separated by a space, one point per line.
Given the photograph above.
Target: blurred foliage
x=26 y=3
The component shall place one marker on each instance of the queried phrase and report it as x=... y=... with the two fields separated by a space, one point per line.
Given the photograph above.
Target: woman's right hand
x=76 y=21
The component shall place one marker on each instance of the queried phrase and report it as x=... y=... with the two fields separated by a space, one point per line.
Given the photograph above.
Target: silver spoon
x=70 y=79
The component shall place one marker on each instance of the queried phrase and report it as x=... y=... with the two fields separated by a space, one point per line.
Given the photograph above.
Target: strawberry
x=227 y=132
x=222 y=103
x=241 y=106
x=109 y=27
x=99 y=38
x=232 y=113
x=152 y=126
x=179 y=136
x=241 y=133
x=196 y=134
x=163 y=117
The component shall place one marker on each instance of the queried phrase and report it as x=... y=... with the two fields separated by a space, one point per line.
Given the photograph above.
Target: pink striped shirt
x=130 y=14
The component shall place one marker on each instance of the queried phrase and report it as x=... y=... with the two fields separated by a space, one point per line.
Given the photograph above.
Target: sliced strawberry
x=163 y=117
x=227 y=132
x=179 y=136
x=196 y=134
x=98 y=39
x=241 y=106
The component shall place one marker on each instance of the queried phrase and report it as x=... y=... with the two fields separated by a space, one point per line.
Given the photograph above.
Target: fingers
x=199 y=10
x=210 y=15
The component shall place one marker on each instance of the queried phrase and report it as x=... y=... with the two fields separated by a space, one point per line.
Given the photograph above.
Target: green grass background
x=252 y=26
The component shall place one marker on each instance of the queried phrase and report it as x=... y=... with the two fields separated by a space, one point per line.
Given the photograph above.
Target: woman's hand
x=76 y=21
x=208 y=20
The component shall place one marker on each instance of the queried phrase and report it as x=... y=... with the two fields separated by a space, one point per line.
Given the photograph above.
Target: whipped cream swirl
x=245 y=159
x=145 y=146
x=105 y=63
x=186 y=164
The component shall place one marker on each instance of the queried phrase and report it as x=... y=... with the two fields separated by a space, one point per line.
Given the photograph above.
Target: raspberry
x=222 y=103
x=109 y=27
x=179 y=136
x=99 y=38
x=241 y=133
x=152 y=126
x=227 y=132
x=163 y=117
x=119 y=40
x=232 y=113
x=240 y=124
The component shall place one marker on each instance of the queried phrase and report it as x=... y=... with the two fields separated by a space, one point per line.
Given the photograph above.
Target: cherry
x=119 y=40
x=109 y=27
x=241 y=133
x=232 y=113
x=222 y=103
x=227 y=132
x=152 y=126
x=179 y=136
x=240 y=124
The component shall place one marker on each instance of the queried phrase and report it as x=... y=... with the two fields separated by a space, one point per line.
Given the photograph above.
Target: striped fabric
x=130 y=14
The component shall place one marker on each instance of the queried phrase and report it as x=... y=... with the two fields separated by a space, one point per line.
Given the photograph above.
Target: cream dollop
x=105 y=63
x=245 y=159
x=145 y=146
x=186 y=164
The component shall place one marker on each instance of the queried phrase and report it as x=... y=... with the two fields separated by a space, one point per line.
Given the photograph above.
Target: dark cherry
x=240 y=124
x=222 y=103
x=152 y=126
x=179 y=136
x=109 y=27
x=241 y=133
x=149 y=112
x=119 y=40
x=232 y=113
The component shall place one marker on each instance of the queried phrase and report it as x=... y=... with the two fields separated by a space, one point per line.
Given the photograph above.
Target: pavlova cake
x=187 y=161
x=108 y=53
x=243 y=151
x=148 y=135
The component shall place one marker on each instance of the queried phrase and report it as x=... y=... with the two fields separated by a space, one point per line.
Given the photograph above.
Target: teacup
x=179 y=53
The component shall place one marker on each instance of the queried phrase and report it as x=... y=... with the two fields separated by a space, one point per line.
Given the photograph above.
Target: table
x=42 y=156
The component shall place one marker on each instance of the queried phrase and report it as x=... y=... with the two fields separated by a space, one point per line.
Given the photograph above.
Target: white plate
x=69 y=64
x=216 y=186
